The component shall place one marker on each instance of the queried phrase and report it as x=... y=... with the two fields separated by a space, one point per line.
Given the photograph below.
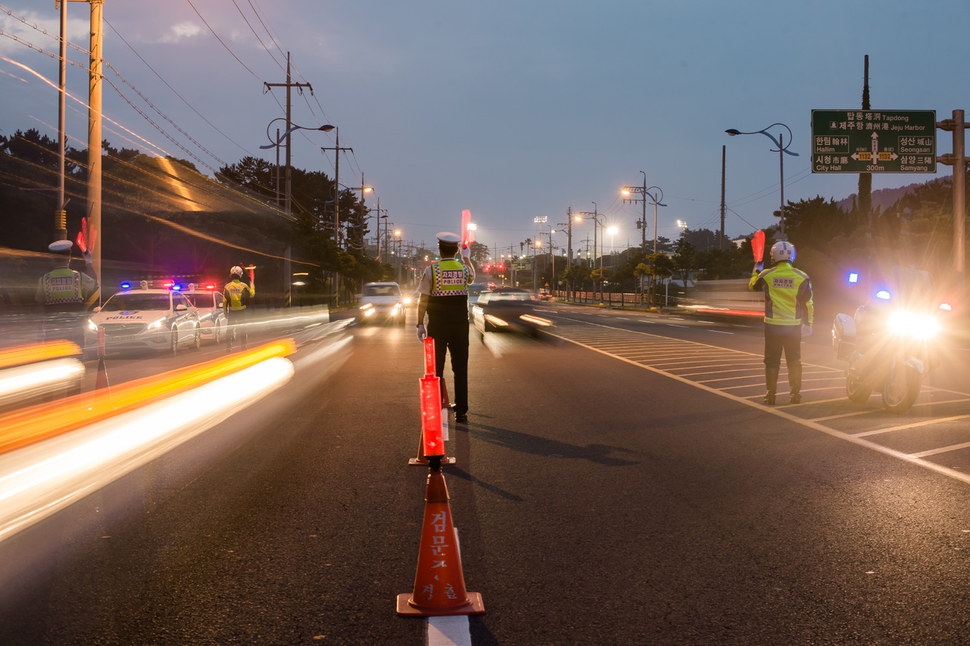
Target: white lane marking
x=675 y=325
x=945 y=449
x=449 y=631
x=914 y=459
x=720 y=332
x=928 y=422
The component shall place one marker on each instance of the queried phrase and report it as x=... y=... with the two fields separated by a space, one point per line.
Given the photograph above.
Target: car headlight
x=154 y=325
x=92 y=325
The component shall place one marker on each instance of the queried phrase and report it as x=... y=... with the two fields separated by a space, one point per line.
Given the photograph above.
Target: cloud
x=181 y=31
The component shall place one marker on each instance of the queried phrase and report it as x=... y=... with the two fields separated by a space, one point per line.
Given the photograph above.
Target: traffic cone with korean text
x=439 y=583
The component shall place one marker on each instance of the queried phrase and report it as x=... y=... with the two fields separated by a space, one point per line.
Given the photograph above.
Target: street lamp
x=276 y=144
x=594 y=216
x=782 y=150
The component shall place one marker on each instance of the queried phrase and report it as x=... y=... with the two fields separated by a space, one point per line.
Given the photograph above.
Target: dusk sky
x=513 y=109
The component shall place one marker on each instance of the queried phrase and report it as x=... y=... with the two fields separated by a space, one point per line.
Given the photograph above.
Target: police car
x=212 y=317
x=144 y=318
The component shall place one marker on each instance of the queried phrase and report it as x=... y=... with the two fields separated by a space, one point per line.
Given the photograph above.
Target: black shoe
x=461 y=419
x=796 y=398
x=769 y=398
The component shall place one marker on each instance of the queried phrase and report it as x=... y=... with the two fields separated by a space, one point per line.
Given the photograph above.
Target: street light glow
x=612 y=230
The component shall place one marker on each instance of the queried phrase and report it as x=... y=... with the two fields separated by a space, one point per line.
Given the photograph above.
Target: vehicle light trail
x=32 y=379
x=40 y=479
x=40 y=422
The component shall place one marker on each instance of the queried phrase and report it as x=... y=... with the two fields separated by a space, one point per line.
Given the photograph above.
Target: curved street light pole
x=287 y=191
x=782 y=151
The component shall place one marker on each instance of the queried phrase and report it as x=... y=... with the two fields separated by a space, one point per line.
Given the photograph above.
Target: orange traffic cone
x=101 y=382
x=439 y=584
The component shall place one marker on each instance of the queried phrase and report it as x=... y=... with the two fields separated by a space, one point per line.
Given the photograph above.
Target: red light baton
x=429 y=368
x=467 y=236
x=431 y=432
x=758 y=245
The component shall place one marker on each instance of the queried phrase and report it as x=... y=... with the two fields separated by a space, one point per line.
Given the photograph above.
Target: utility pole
x=864 y=203
x=336 y=205
x=569 y=237
x=289 y=85
x=94 y=140
x=958 y=160
x=60 y=214
x=723 y=167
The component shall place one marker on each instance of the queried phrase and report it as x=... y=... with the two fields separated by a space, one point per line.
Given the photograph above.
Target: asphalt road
x=605 y=493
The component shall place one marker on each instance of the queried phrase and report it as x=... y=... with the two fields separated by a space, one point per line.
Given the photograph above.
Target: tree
x=685 y=259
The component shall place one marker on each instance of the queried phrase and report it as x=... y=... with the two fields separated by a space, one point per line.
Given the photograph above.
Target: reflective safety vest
x=449 y=278
x=62 y=286
x=233 y=294
x=788 y=295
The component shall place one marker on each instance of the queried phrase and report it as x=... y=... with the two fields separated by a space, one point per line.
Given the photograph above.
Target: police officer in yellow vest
x=64 y=292
x=789 y=313
x=236 y=296
x=444 y=296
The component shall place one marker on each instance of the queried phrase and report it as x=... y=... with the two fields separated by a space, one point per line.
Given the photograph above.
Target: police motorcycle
x=891 y=343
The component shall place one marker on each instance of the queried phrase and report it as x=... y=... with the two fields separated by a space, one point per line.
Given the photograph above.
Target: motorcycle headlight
x=92 y=325
x=910 y=324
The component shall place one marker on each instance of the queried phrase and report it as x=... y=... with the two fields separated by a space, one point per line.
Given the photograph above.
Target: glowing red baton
x=431 y=432
x=758 y=245
x=467 y=233
x=429 y=368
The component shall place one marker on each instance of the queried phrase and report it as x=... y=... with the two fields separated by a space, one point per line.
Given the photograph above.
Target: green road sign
x=522 y=264
x=873 y=141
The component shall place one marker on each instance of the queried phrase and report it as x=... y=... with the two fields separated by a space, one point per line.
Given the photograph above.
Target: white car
x=212 y=318
x=155 y=319
x=381 y=302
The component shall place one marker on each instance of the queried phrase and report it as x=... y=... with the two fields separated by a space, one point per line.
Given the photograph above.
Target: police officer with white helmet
x=789 y=313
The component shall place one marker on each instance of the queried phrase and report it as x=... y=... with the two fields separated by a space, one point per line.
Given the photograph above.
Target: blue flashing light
x=126 y=285
x=883 y=294
x=176 y=287
x=853 y=277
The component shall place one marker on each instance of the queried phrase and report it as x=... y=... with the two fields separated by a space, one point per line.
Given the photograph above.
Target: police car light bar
x=126 y=285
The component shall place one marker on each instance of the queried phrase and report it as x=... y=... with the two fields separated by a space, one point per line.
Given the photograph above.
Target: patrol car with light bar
x=144 y=318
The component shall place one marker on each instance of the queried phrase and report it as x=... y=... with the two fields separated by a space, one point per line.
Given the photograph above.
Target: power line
x=118 y=34
x=221 y=41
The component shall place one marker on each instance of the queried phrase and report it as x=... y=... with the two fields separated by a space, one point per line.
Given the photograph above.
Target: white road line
x=926 y=422
x=720 y=332
x=754 y=402
x=449 y=631
x=675 y=325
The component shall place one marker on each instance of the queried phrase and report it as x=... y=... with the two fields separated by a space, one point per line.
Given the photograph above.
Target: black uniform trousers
x=783 y=338
x=453 y=337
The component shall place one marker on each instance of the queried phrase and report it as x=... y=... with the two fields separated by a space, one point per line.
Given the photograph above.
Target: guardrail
x=725 y=297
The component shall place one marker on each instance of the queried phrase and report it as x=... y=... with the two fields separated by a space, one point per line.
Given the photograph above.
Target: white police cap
x=449 y=238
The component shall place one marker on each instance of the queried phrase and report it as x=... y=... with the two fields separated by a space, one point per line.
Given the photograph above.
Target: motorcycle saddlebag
x=843 y=336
